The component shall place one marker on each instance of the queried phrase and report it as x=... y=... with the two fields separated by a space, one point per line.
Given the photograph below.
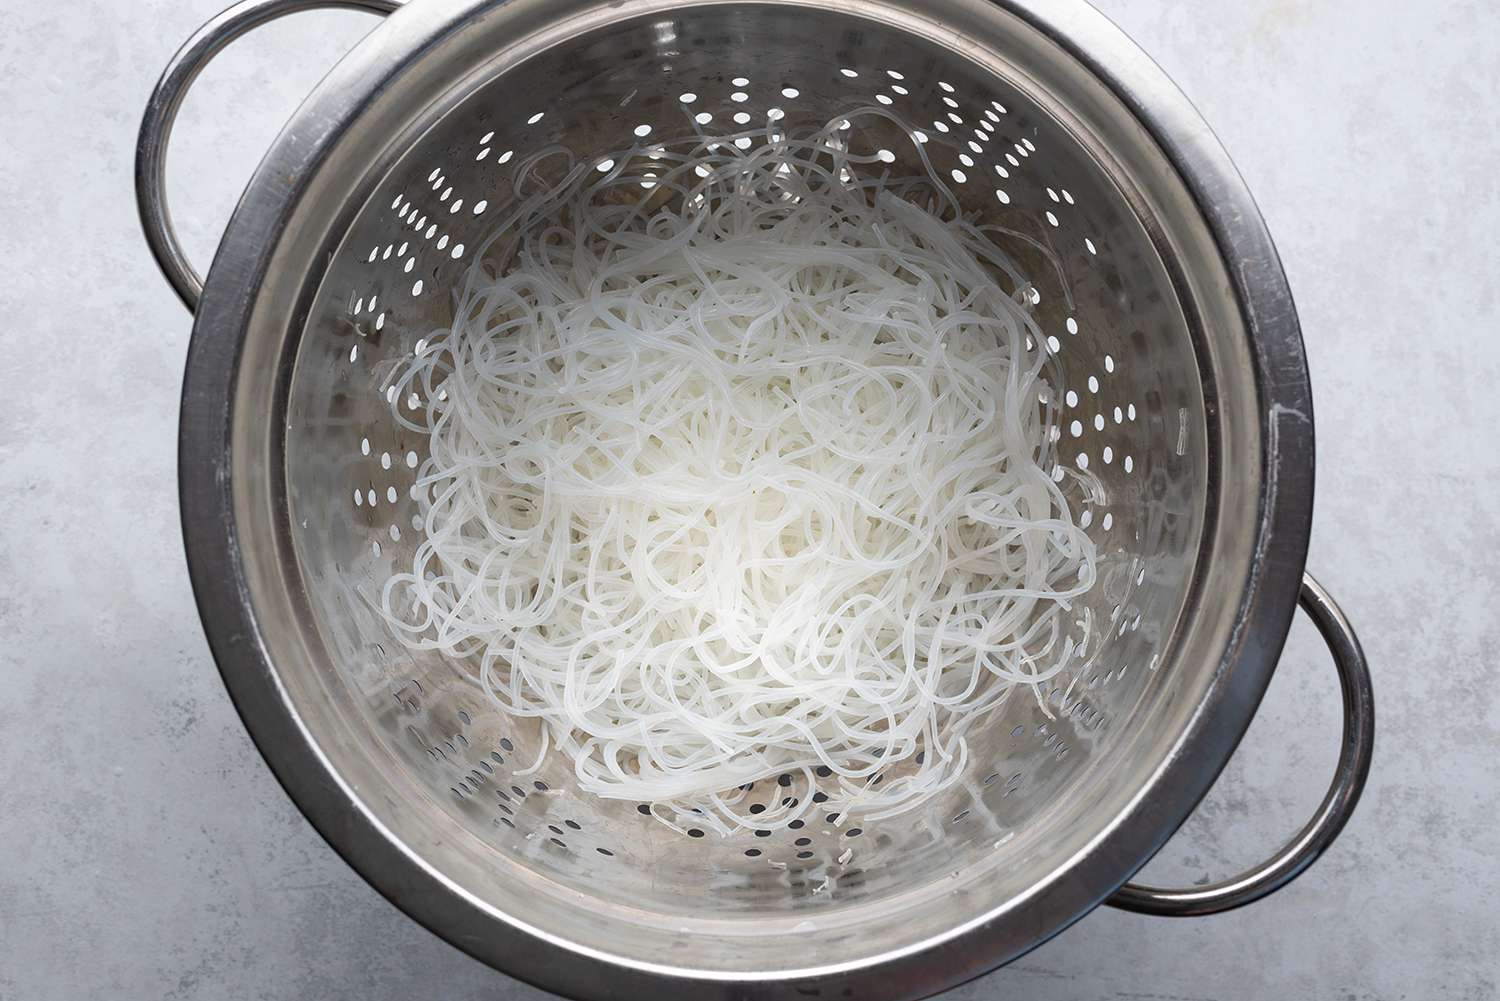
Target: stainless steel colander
x=1186 y=394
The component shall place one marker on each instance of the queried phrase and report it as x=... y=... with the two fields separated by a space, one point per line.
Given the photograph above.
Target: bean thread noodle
x=739 y=467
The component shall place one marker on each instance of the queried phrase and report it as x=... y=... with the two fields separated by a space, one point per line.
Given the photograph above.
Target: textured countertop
x=149 y=854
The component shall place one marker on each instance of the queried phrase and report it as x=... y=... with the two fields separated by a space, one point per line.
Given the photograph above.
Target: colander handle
x=1337 y=806
x=161 y=112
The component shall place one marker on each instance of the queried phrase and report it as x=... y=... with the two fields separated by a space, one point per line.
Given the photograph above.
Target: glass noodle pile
x=739 y=466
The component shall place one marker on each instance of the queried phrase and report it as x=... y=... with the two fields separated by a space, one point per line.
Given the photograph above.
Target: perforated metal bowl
x=1186 y=395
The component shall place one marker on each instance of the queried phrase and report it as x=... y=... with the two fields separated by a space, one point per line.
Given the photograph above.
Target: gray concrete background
x=147 y=852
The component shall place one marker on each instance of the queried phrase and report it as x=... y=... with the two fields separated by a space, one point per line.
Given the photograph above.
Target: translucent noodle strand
x=738 y=467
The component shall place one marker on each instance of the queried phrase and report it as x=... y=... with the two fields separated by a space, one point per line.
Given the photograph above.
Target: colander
x=1186 y=394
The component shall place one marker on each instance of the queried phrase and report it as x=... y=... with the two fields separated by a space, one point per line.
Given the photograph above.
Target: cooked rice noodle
x=739 y=467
